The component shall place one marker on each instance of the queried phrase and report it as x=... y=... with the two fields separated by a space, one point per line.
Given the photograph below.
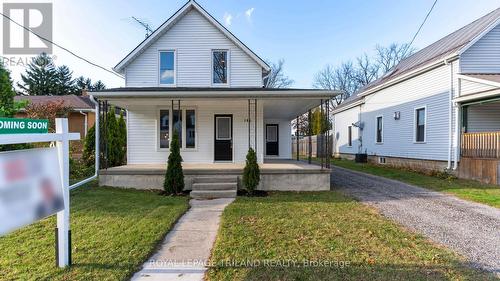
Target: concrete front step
x=215 y=179
x=212 y=194
x=215 y=186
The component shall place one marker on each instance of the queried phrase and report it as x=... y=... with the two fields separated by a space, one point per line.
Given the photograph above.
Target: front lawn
x=113 y=232
x=270 y=238
x=465 y=189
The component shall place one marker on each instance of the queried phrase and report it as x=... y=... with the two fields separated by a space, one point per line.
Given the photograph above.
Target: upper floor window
x=219 y=67
x=167 y=68
x=420 y=124
x=380 y=129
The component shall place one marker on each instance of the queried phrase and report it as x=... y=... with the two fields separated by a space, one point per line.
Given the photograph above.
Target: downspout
x=458 y=127
x=85 y=126
x=450 y=113
x=96 y=128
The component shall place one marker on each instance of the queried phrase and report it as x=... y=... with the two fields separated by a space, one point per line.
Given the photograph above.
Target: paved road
x=469 y=228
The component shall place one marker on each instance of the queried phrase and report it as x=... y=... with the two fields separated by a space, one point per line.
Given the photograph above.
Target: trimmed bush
x=251 y=173
x=174 y=177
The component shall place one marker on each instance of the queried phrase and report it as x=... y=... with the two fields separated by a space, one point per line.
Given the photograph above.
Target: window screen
x=167 y=68
x=219 y=62
x=190 y=128
x=380 y=126
x=349 y=135
x=272 y=133
x=223 y=128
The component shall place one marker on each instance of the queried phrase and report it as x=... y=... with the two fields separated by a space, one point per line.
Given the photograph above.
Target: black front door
x=272 y=139
x=223 y=138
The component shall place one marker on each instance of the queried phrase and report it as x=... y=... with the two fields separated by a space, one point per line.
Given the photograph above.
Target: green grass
x=113 y=232
x=465 y=189
x=325 y=226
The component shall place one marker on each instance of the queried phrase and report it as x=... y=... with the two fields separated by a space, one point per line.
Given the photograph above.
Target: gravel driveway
x=471 y=229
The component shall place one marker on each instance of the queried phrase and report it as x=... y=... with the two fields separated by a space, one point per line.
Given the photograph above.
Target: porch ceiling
x=288 y=108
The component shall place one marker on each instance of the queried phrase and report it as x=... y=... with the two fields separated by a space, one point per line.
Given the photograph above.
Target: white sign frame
x=62 y=138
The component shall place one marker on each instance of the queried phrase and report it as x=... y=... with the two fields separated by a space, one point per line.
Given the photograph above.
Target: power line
x=420 y=28
x=63 y=48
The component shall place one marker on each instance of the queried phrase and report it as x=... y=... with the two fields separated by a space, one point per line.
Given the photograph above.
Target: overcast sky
x=306 y=34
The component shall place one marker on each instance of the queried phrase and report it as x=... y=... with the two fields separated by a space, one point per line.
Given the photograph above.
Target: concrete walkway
x=186 y=249
x=471 y=229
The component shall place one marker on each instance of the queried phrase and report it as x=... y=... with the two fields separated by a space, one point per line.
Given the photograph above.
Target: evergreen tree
x=251 y=173
x=89 y=147
x=174 y=177
x=122 y=138
x=99 y=85
x=7 y=93
x=41 y=77
x=65 y=83
x=112 y=139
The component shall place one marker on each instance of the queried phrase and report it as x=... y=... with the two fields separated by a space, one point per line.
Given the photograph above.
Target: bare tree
x=366 y=71
x=390 y=56
x=277 y=77
x=340 y=78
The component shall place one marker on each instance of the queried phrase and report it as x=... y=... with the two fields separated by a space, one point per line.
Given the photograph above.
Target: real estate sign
x=30 y=187
x=23 y=126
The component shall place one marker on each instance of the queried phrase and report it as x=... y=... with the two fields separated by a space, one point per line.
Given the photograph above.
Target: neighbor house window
x=219 y=67
x=167 y=68
x=171 y=121
x=380 y=128
x=420 y=125
x=164 y=128
x=349 y=135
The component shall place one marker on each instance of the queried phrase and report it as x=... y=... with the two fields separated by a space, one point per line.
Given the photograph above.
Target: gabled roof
x=448 y=46
x=191 y=4
x=75 y=102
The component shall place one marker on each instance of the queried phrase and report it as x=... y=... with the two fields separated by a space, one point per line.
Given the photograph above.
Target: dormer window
x=219 y=67
x=167 y=68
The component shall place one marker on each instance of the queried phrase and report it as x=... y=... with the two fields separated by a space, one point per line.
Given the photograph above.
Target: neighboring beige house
x=82 y=115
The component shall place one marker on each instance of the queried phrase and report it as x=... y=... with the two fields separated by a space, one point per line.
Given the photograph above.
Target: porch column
x=321 y=135
x=327 y=133
x=255 y=128
x=297 y=137
x=248 y=120
x=104 y=142
x=309 y=133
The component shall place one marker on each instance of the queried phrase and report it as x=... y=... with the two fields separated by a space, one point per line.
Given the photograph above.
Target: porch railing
x=481 y=145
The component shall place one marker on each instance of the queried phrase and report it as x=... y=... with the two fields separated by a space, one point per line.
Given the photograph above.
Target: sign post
x=63 y=251
x=41 y=199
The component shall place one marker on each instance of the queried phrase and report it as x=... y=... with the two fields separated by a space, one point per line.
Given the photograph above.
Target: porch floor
x=269 y=166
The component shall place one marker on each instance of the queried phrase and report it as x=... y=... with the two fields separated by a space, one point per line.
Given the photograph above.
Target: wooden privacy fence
x=318 y=148
x=481 y=145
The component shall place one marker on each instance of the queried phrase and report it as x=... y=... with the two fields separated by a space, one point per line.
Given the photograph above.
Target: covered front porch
x=216 y=129
x=480 y=129
x=276 y=174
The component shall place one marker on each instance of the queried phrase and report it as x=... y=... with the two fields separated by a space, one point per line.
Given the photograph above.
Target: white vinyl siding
x=341 y=122
x=284 y=137
x=143 y=123
x=470 y=87
x=193 y=38
x=484 y=55
x=430 y=89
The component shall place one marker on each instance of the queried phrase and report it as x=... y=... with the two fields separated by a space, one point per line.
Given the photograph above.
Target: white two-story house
x=193 y=76
x=438 y=109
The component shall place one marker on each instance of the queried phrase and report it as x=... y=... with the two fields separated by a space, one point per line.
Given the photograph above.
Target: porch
x=276 y=174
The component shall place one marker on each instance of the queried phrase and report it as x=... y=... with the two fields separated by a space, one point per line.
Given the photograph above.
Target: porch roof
x=213 y=92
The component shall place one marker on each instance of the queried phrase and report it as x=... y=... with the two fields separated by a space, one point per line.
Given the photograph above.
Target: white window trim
x=351 y=140
x=415 y=124
x=175 y=67
x=170 y=127
x=382 y=129
x=227 y=84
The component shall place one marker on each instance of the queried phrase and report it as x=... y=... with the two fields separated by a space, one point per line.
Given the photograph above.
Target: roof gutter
x=411 y=74
x=349 y=106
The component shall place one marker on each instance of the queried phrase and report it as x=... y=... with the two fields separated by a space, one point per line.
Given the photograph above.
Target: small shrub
x=174 y=177
x=251 y=173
